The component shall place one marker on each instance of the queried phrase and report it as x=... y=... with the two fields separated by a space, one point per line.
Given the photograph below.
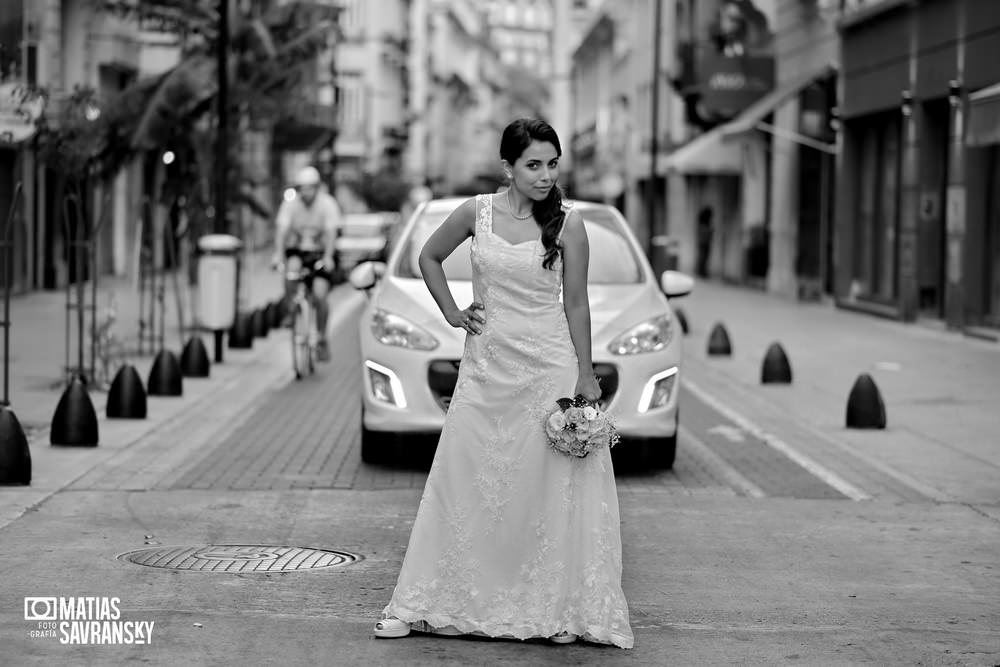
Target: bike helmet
x=307 y=176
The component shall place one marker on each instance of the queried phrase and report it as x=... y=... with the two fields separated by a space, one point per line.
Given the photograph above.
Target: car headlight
x=391 y=329
x=650 y=336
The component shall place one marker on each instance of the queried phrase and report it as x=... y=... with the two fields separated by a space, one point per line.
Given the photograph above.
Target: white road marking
x=823 y=473
x=731 y=475
x=730 y=433
x=888 y=366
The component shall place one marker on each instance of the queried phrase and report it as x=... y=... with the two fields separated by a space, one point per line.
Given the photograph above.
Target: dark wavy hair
x=549 y=211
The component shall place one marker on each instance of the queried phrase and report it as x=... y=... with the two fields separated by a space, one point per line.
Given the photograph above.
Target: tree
x=175 y=110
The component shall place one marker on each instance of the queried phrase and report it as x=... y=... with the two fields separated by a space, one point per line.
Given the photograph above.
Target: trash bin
x=218 y=256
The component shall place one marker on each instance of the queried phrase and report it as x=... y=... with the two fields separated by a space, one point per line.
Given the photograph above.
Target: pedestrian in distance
x=705 y=232
x=307 y=227
x=513 y=539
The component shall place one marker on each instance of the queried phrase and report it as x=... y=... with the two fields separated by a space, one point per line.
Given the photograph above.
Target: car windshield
x=612 y=259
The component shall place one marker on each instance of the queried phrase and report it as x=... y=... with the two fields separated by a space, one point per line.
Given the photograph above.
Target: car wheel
x=661 y=452
x=374 y=444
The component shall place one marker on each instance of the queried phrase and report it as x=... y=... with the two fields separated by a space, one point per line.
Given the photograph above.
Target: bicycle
x=109 y=350
x=305 y=332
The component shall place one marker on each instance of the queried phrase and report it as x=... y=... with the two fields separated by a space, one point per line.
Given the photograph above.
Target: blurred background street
x=828 y=172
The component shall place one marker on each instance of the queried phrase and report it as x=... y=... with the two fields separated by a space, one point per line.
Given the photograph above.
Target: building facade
x=522 y=32
x=612 y=99
x=58 y=45
x=458 y=107
x=372 y=75
x=793 y=122
x=918 y=225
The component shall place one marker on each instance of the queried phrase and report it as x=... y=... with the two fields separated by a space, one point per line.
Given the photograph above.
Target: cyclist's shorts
x=309 y=259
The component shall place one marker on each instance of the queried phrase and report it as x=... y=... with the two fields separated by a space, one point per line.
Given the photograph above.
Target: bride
x=513 y=539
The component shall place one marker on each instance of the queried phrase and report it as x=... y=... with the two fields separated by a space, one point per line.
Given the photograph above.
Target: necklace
x=511 y=207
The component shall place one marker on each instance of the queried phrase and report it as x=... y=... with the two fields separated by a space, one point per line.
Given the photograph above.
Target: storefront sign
x=20 y=107
x=728 y=85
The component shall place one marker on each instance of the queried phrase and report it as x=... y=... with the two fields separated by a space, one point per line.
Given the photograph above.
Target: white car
x=411 y=354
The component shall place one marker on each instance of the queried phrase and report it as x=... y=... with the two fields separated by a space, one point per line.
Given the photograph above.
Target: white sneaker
x=563 y=638
x=391 y=628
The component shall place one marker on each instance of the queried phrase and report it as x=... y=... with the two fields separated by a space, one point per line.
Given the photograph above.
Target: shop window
x=877 y=219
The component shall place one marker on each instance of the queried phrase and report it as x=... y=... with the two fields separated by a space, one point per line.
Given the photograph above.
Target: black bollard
x=15 y=458
x=259 y=324
x=165 y=377
x=775 y=369
x=194 y=359
x=682 y=319
x=718 y=341
x=75 y=420
x=127 y=396
x=241 y=333
x=865 y=408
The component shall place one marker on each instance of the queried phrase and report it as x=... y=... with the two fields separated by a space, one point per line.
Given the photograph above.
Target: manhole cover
x=238 y=558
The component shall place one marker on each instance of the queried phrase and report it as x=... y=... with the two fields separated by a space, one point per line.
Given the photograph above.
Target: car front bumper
x=425 y=392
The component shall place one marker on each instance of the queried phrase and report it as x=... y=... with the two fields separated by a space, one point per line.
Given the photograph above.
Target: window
x=352 y=18
x=352 y=106
x=612 y=259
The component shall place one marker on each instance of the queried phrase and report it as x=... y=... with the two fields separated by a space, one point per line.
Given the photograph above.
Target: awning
x=752 y=118
x=707 y=154
x=984 y=117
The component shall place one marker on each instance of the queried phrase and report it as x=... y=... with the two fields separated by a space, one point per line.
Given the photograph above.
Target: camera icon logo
x=40 y=609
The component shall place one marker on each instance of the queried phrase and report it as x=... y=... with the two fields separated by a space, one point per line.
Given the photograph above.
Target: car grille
x=442 y=374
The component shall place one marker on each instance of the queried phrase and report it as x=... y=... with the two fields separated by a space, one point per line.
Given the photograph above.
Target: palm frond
x=180 y=92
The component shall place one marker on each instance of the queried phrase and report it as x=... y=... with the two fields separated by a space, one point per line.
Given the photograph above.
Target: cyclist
x=307 y=229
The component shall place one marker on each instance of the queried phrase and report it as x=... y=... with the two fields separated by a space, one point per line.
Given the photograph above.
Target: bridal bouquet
x=578 y=427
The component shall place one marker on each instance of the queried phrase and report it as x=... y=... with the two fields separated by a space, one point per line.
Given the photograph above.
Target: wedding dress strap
x=566 y=206
x=484 y=213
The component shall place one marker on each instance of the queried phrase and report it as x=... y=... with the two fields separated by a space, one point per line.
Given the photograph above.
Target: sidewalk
x=941 y=389
x=38 y=336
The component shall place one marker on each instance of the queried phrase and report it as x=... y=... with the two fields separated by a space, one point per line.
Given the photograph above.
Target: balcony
x=309 y=127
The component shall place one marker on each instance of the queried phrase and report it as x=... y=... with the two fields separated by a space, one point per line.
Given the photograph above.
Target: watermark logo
x=84 y=620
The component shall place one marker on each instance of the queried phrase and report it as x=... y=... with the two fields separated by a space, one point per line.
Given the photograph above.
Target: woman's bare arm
x=457 y=227
x=576 y=258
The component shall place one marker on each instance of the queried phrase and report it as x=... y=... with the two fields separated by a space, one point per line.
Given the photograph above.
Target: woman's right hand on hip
x=467 y=318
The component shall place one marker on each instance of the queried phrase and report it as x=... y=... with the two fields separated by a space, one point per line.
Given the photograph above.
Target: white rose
x=589 y=412
x=574 y=415
x=556 y=422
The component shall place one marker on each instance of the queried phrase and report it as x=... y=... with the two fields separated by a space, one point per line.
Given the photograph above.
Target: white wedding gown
x=513 y=539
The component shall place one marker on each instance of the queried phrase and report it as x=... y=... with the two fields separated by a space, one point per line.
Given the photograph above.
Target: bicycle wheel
x=302 y=362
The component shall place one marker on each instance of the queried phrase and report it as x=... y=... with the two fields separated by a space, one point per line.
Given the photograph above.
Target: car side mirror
x=675 y=284
x=365 y=275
